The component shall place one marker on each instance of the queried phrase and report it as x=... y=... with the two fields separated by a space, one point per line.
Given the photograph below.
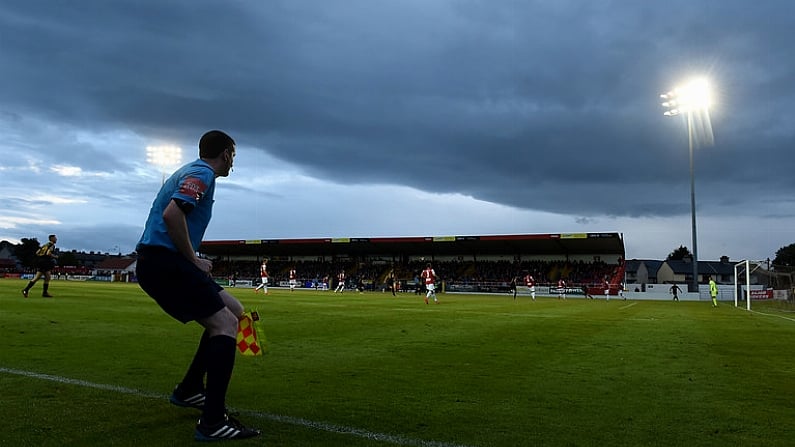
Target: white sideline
x=332 y=428
x=772 y=315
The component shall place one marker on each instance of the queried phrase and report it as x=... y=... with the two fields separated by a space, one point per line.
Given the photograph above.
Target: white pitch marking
x=332 y=428
x=627 y=306
x=773 y=315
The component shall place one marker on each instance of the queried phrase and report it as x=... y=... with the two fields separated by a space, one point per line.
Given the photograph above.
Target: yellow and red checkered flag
x=250 y=338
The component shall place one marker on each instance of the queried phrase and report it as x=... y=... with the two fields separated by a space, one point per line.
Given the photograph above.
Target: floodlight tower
x=164 y=157
x=690 y=98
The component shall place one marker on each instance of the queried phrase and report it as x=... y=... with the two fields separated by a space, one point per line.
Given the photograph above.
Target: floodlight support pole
x=687 y=100
x=693 y=202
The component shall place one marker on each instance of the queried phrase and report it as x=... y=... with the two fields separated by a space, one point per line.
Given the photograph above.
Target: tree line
x=25 y=252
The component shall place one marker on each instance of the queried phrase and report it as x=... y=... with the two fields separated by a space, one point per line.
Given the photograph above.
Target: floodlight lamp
x=698 y=93
x=695 y=95
x=163 y=156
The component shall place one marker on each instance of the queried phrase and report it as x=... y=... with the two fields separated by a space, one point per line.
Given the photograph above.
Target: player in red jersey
x=530 y=282
x=429 y=277
x=340 y=282
x=293 y=278
x=561 y=289
x=263 y=274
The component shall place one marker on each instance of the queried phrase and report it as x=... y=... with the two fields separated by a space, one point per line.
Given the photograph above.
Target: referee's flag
x=250 y=338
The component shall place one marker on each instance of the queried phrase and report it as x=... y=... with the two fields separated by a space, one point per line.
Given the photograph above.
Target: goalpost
x=749 y=267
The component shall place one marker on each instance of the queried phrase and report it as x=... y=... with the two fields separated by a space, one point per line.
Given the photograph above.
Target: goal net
x=742 y=281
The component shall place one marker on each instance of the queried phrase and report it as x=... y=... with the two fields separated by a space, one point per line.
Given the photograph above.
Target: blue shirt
x=193 y=183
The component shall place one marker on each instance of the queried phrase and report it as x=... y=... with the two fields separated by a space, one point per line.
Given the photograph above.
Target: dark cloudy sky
x=359 y=118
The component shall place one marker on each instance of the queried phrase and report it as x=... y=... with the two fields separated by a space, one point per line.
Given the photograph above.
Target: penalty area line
x=627 y=306
x=331 y=428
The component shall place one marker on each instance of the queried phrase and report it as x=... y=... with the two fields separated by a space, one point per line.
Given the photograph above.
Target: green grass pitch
x=94 y=366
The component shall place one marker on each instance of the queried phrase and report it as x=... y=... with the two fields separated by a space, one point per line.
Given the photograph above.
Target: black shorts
x=44 y=263
x=177 y=285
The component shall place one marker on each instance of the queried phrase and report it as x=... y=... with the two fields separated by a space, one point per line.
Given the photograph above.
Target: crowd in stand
x=577 y=273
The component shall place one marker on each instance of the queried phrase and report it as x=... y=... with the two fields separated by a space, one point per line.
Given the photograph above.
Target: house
x=673 y=271
x=116 y=268
x=89 y=260
x=8 y=262
x=642 y=271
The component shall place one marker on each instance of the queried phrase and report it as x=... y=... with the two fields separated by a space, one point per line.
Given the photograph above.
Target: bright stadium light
x=164 y=157
x=692 y=98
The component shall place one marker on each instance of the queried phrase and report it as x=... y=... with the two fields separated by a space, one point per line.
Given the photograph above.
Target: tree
x=25 y=252
x=785 y=256
x=679 y=254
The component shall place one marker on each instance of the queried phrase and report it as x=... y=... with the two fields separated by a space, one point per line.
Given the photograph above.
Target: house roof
x=704 y=267
x=115 y=263
x=652 y=265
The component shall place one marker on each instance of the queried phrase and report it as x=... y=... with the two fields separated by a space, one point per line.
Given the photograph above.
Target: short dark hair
x=213 y=143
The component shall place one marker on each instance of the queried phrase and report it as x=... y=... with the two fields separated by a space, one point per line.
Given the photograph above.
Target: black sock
x=220 y=362
x=45 y=286
x=194 y=377
x=29 y=286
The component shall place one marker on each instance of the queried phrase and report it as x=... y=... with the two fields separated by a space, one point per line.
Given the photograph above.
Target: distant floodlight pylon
x=164 y=157
x=691 y=98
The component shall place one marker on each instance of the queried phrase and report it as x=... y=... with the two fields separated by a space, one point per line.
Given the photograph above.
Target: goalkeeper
x=179 y=281
x=713 y=291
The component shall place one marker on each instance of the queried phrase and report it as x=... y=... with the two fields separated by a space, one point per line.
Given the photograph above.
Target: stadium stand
x=471 y=263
